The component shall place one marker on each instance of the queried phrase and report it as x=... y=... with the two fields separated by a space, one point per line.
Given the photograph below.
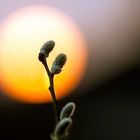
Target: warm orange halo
x=22 y=33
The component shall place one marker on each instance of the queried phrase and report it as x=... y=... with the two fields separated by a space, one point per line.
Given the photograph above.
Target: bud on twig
x=62 y=127
x=46 y=49
x=58 y=63
x=67 y=110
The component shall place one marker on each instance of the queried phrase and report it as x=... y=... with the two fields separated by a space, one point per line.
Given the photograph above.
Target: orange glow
x=22 y=34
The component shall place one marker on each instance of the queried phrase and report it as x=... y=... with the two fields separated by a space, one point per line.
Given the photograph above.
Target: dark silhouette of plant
x=63 y=117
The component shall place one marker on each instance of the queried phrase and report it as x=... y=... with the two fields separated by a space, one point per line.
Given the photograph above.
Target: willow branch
x=51 y=89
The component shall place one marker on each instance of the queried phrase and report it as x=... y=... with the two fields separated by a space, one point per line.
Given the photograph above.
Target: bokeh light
x=23 y=32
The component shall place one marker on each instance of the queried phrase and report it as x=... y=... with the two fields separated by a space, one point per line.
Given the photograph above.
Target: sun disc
x=22 y=33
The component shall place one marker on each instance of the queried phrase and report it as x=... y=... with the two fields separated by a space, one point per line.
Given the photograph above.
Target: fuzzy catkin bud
x=58 y=63
x=67 y=110
x=62 y=127
x=46 y=49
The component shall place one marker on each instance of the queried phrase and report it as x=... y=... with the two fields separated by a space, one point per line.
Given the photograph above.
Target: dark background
x=108 y=97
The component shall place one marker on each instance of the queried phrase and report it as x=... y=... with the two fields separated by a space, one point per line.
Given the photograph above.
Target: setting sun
x=22 y=34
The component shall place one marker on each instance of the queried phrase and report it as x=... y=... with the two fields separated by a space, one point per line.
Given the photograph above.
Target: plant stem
x=51 y=89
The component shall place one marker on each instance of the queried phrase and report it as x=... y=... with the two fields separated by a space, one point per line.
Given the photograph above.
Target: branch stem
x=51 y=89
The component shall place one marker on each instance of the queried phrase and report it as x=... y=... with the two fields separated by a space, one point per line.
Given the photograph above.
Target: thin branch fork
x=51 y=89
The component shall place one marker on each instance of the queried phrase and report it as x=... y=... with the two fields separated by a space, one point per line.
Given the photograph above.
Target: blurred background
x=107 y=98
